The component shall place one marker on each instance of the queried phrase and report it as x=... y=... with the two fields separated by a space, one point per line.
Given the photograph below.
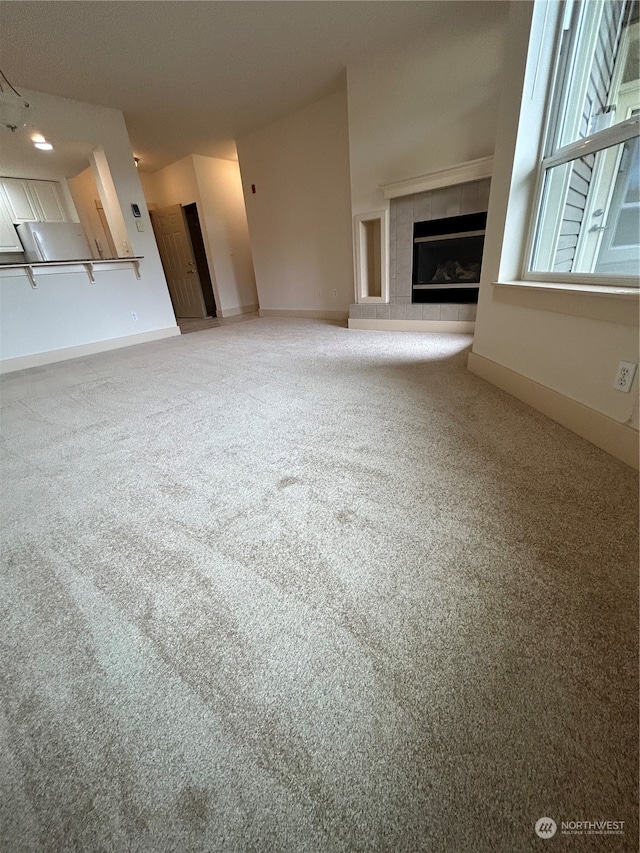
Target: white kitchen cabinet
x=20 y=204
x=9 y=240
x=33 y=201
x=48 y=199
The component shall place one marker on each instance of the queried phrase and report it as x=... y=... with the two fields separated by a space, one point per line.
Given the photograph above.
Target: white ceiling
x=191 y=77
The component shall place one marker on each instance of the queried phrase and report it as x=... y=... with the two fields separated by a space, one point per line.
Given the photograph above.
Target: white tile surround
x=457 y=200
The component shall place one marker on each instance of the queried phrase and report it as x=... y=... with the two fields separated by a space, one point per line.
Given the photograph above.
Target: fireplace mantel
x=473 y=170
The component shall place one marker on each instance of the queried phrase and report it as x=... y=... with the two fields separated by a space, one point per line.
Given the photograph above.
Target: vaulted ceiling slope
x=191 y=77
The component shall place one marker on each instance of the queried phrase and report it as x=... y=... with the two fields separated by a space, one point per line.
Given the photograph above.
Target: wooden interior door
x=176 y=254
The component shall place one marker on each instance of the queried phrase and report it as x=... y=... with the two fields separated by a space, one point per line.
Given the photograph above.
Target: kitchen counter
x=89 y=266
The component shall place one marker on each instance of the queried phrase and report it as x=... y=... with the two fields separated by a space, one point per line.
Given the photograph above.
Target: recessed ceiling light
x=38 y=137
x=43 y=146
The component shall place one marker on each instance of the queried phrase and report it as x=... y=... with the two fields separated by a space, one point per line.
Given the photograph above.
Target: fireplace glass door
x=447 y=258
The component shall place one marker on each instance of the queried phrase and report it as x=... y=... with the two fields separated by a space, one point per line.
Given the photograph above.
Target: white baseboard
x=39 y=359
x=460 y=327
x=620 y=440
x=310 y=315
x=239 y=309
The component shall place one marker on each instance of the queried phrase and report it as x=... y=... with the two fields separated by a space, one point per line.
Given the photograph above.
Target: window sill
x=615 y=291
x=613 y=304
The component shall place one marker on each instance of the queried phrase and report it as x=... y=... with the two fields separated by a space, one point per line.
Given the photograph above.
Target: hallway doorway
x=184 y=260
x=200 y=255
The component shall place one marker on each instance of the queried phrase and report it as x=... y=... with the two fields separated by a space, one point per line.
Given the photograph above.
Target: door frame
x=194 y=228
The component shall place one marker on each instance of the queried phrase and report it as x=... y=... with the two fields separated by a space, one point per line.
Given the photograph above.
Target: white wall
x=215 y=187
x=429 y=106
x=568 y=343
x=300 y=215
x=225 y=219
x=85 y=194
x=63 y=313
x=175 y=184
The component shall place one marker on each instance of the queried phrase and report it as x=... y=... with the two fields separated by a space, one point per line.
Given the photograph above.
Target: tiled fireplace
x=441 y=203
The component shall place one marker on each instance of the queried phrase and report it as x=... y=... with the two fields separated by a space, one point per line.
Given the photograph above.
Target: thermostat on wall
x=136 y=211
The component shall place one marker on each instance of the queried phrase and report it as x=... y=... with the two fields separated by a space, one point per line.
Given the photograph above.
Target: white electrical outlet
x=335 y=292
x=134 y=316
x=624 y=376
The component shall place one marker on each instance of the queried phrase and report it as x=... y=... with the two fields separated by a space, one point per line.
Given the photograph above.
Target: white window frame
x=557 y=109
x=627 y=96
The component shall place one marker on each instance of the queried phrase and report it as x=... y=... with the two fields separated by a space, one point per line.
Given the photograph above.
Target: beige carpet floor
x=286 y=588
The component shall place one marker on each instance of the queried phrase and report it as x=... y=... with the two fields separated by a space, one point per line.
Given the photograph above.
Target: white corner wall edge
x=460 y=327
x=618 y=439
x=39 y=359
x=309 y=315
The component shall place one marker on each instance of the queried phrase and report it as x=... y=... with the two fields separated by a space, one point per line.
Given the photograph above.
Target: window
x=587 y=226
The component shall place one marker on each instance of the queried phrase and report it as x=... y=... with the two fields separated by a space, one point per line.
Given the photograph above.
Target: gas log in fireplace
x=447 y=256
